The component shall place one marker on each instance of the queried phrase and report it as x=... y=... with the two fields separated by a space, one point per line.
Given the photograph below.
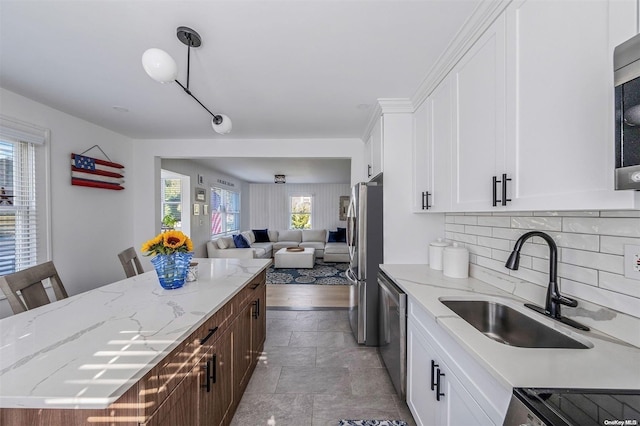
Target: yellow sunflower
x=173 y=239
x=149 y=246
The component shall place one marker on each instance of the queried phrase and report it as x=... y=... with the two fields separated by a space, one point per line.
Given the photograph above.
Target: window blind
x=18 y=212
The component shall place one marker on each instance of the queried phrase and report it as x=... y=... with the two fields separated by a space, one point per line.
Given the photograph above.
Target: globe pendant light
x=161 y=67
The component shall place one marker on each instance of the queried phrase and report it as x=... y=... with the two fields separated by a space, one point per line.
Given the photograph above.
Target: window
x=225 y=211
x=24 y=238
x=300 y=212
x=172 y=199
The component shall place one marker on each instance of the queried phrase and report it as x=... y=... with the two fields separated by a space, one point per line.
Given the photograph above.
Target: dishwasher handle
x=390 y=288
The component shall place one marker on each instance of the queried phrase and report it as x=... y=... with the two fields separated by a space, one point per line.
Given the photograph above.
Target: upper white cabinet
x=531 y=106
x=560 y=104
x=479 y=120
x=373 y=151
x=433 y=136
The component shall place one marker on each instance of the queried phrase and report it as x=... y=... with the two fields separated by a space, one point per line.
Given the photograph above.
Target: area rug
x=328 y=273
x=372 y=423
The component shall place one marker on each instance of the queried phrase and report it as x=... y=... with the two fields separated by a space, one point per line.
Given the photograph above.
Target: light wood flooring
x=307 y=296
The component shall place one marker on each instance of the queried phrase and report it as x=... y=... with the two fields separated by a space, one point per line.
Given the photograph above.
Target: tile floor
x=313 y=373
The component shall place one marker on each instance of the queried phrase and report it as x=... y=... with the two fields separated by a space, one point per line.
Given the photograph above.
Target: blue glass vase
x=172 y=269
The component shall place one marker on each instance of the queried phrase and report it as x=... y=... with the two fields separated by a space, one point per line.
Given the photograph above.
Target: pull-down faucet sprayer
x=554 y=299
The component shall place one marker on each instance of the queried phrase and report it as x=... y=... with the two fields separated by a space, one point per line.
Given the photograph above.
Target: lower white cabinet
x=446 y=385
x=434 y=394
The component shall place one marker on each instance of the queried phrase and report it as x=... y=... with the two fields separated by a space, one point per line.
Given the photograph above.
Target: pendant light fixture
x=161 y=67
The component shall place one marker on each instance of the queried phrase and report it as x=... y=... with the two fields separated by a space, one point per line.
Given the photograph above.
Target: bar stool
x=130 y=262
x=29 y=283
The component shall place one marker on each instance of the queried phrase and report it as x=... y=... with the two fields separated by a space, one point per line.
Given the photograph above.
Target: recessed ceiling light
x=120 y=108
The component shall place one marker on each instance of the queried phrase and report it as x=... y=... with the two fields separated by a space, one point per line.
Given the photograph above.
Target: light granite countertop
x=609 y=364
x=87 y=350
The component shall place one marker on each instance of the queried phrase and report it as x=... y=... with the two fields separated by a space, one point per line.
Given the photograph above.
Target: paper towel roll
x=436 y=249
x=455 y=262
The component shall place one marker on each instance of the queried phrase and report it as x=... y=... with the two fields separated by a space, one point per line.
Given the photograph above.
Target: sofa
x=224 y=247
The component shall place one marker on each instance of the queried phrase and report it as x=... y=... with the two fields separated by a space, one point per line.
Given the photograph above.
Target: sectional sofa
x=316 y=238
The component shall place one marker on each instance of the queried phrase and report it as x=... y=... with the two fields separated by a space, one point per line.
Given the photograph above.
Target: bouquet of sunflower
x=168 y=243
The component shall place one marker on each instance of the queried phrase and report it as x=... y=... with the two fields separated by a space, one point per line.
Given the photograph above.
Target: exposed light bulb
x=224 y=125
x=159 y=65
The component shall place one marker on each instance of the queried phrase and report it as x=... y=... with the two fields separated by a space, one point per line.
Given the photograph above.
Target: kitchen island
x=132 y=352
x=478 y=374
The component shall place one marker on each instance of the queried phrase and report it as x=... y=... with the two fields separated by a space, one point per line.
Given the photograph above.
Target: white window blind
x=18 y=210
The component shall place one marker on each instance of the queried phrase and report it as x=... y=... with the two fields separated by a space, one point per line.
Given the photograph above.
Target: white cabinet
x=560 y=103
x=433 y=134
x=479 y=120
x=434 y=394
x=445 y=384
x=373 y=151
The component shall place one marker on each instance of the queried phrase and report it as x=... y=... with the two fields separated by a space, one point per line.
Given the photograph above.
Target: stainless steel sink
x=510 y=327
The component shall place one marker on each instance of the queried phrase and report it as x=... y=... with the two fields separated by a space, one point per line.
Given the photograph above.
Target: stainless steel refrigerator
x=364 y=238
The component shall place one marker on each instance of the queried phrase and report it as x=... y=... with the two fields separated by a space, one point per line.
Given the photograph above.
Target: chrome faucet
x=553 y=299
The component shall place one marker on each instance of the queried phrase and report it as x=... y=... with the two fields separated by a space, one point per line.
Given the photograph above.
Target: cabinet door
x=377 y=148
x=181 y=405
x=479 y=126
x=458 y=408
x=421 y=156
x=216 y=396
x=242 y=355
x=258 y=332
x=368 y=158
x=560 y=103
x=420 y=398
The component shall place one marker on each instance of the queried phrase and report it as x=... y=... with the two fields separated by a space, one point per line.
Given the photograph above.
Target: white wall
x=406 y=235
x=88 y=226
x=147 y=154
x=270 y=204
x=201 y=225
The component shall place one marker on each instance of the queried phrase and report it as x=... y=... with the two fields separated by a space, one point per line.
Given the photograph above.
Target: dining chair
x=130 y=262
x=29 y=283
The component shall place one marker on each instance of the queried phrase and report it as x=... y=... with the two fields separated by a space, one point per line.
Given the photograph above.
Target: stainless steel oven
x=626 y=63
x=392 y=332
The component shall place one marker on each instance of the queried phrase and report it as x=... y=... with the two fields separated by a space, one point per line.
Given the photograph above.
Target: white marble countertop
x=86 y=351
x=609 y=364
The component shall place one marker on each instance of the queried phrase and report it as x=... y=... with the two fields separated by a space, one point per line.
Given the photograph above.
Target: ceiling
x=296 y=170
x=279 y=69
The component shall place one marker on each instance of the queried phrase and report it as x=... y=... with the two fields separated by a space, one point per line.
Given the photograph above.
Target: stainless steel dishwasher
x=392 y=332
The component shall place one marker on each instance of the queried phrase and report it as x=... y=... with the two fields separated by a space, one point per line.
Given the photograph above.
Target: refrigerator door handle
x=350 y=276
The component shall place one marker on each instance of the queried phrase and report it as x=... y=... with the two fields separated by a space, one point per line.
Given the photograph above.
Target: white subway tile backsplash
x=498 y=221
x=620 y=213
x=484 y=231
x=619 y=284
x=537 y=223
x=453 y=227
x=588 y=259
x=569 y=213
x=622 y=227
x=615 y=245
x=466 y=220
x=612 y=300
x=496 y=243
x=590 y=245
x=576 y=241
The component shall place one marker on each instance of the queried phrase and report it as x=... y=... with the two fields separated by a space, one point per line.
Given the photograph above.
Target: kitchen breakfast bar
x=133 y=353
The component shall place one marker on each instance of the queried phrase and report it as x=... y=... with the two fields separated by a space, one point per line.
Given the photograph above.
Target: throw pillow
x=333 y=237
x=262 y=235
x=342 y=235
x=240 y=241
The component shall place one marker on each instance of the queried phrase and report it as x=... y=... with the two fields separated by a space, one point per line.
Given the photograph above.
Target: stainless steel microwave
x=626 y=73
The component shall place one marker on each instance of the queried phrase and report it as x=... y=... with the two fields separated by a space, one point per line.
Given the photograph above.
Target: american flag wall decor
x=96 y=173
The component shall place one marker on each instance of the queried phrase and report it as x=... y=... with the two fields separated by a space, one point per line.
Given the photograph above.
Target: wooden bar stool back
x=130 y=262
x=29 y=283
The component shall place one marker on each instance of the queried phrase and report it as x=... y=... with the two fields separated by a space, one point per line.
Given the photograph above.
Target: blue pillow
x=333 y=237
x=342 y=235
x=262 y=235
x=240 y=241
